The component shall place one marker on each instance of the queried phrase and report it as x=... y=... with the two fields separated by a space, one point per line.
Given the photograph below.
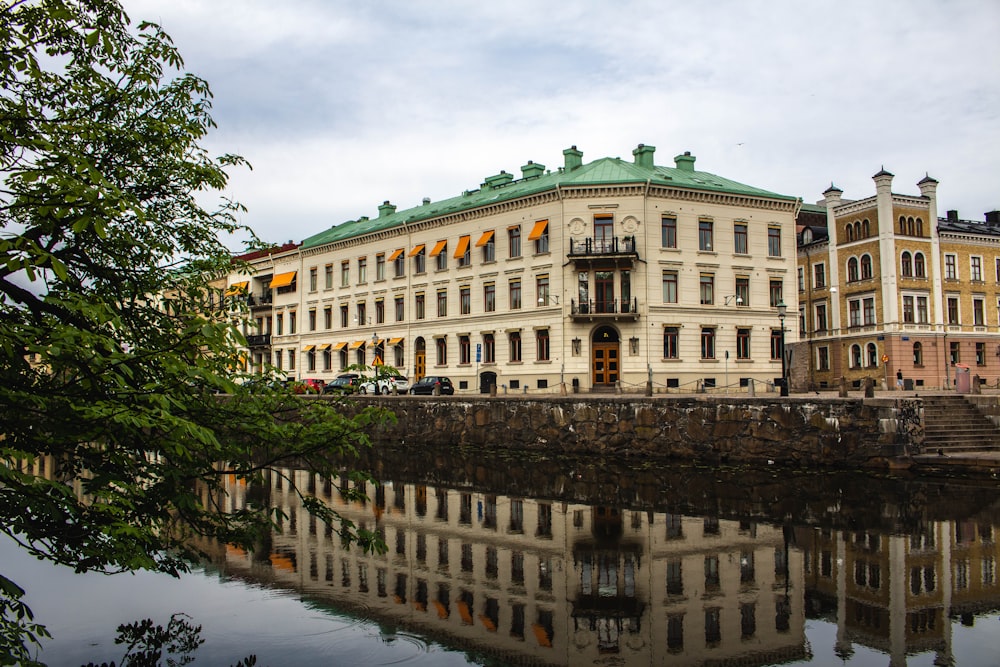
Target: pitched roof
x=603 y=171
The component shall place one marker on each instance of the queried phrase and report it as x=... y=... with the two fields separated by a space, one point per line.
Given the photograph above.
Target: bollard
x=843 y=387
x=649 y=388
x=869 y=388
x=751 y=390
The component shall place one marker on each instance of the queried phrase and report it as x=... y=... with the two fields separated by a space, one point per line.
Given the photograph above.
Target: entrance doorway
x=419 y=359
x=605 y=357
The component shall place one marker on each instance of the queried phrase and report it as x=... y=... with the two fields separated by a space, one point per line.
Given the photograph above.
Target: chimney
x=503 y=178
x=386 y=209
x=531 y=169
x=574 y=158
x=993 y=218
x=952 y=216
x=685 y=162
x=644 y=156
x=427 y=200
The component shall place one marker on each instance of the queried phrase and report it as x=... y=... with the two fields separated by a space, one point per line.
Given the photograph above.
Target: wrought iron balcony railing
x=259 y=340
x=590 y=247
x=606 y=307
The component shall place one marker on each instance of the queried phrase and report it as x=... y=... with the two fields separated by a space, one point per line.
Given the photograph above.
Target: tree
x=119 y=361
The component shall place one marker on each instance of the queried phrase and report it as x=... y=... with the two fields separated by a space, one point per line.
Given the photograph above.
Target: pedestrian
x=899 y=379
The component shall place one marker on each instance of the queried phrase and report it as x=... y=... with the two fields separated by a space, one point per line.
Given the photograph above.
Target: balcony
x=612 y=309
x=260 y=300
x=606 y=252
x=259 y=340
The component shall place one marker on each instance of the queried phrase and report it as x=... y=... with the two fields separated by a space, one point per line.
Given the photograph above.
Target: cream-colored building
x=596 y=275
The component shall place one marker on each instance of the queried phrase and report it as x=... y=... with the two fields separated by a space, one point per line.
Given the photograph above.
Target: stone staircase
x=954 y=425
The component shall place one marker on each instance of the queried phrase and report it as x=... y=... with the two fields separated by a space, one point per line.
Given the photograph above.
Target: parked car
x=432 y=384
x=385 y=385
x=343 y=384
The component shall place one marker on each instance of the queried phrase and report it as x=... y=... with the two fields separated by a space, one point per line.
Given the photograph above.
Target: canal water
x=495 y=560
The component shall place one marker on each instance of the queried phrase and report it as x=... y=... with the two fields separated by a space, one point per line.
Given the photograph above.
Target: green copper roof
x=604 y=171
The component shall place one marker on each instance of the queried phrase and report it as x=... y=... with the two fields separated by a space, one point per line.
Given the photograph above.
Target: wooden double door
x=605 y=357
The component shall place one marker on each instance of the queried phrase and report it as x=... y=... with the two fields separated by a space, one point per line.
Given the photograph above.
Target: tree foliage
x=117 y=356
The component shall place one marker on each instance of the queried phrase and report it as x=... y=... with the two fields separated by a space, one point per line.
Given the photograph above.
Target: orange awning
x=395 y=341
x=376 y=343
x=282 y=562
x=283 y=279
x=356 y=344
x=484 y=239
x=324 y=346
x=488 y=623
x=463 y=245
x=442 y=611
x=538 y=230
x=339 y=346
x=438 y=247
x=417 y=250
x=308 y=348
x=542 y=635
x=463 y=611
x=236 y=288
x=395 y=255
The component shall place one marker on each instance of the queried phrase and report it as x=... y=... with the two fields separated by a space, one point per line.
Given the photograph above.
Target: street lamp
x=782 y=311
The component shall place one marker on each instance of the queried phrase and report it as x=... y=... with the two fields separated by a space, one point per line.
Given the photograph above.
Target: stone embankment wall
x=788 y=431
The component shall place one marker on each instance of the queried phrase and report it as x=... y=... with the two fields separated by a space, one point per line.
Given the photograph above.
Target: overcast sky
x=342 y=105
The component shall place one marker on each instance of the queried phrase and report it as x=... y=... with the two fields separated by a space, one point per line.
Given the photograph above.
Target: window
x=705 y=235
x=922 y=316
x=776 y=335
x=465 y=299
x=872 y=355
x=774 y=241
x=976 y=269
x=328 y=276
x=343 y=316
x=313 y=279
x=743 y=343
x=540 y=235
x=312 y=319
x=868 y=308
x=854 y=310
x=400 y=303
x=420 y=260
x=668 y=232
x=464 y=350
x=743 y=291
x=463 y=253
x=327 y=360
x=955 y=352
x=918 y=354
x=489 y=246
x=802 y=279
x=919 y=267
x=909 y=312
x=708 y=343
x=291 y=360
x=542 y=289
x=669 y=287
x=980 y=354
x=514 y=241
x=819 y=276
x=777 y=292
x=291 y=322
x=823 y=359
x=489 y=297
x=328 y=317
x=950 y=267
x=906 y=264
x=398 y=264
x=852 y=270
x=345 y=274
x=311 y=360
x=489 y=349
x=740 y=238
x=442 y=255
x=442 y=303
x=419 y=306
x=441 y=344
x=379 y=311
x=866 y=267
x=542 y=342
x=978 y=312
x=707 y=289
x=380 y=266
x=514 y=288
x=670 y=335
x=514 y=341
x=952 y=310
x=855 y=356
x=821 y=323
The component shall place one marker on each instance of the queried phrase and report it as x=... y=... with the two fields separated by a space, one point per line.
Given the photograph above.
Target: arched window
x=909 y=226
x=855 y=356
x=857 y=230
x=850 y=232
x=866 y=267
x=920 y=227
x=902 y=225
x=919 y=268
x=872 y=355
x=906 y=264
x=918 y=354
x=865 y=229
x=852 y=269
